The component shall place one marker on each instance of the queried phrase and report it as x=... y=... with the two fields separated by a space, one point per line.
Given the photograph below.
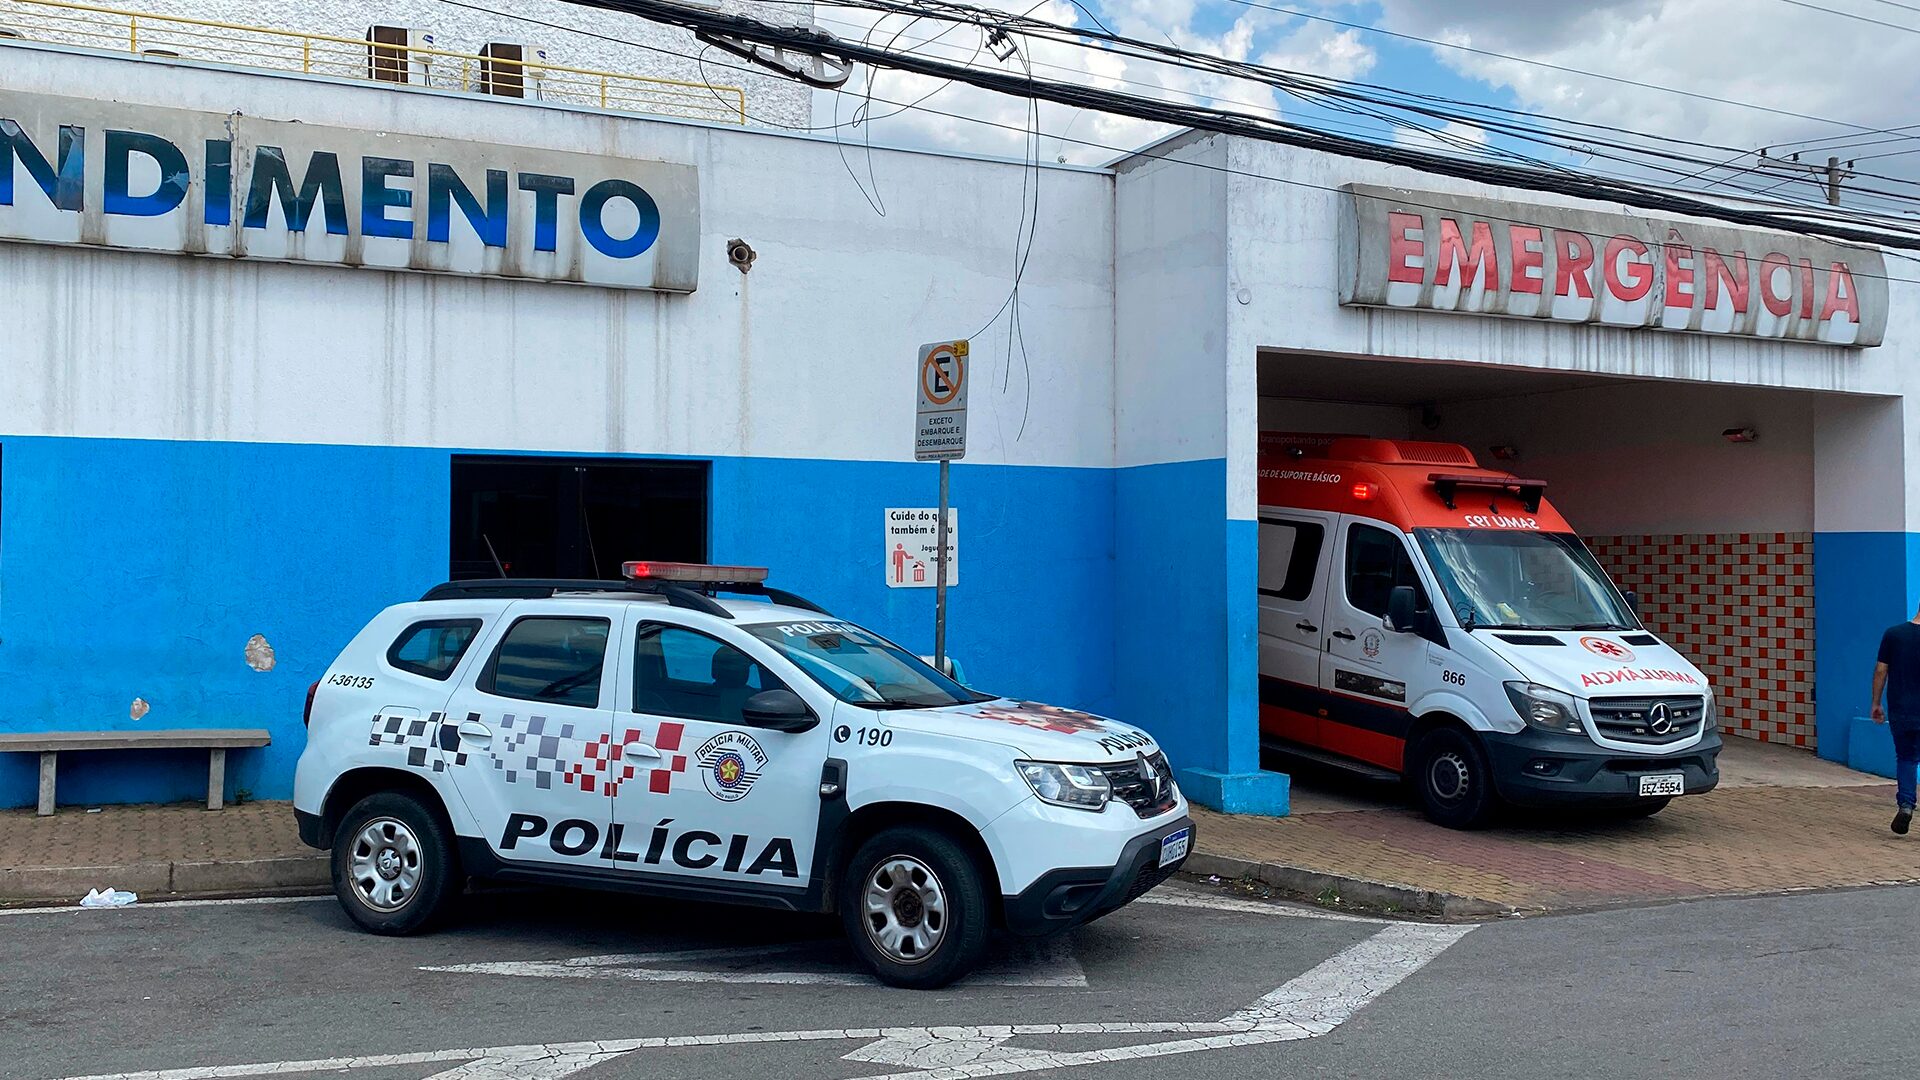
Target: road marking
x=1030 y=963
x=1306 y=1007
x=1169 y=898
x=143 y=906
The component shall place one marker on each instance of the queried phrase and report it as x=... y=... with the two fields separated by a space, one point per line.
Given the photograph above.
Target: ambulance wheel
x=394 y=867
x=1454 y=779
x=915 y=908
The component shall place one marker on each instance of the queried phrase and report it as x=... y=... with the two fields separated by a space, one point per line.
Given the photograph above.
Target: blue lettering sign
x=172 y=190
x=219 y=208
x=376 y=197
x=593 y=204
x=546 y=206
x=445 y=186
x=322 y=185
x=67 y=188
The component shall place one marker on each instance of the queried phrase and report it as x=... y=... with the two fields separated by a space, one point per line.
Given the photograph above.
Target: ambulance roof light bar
x=1529 y=492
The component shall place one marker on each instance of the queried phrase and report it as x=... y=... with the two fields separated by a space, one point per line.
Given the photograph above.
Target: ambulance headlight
x=1546 y=708
x=1067 y=785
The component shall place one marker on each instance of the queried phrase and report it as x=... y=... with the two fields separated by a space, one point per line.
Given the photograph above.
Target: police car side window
x=550 y=658
x=1377 y=562
x=686 y=674
x=433 y=647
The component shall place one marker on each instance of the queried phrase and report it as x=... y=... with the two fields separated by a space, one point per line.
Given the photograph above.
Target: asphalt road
x=553 y=984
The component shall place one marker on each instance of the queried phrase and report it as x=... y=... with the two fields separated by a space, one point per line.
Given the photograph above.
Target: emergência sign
x=1437 y=252
x=196 y=183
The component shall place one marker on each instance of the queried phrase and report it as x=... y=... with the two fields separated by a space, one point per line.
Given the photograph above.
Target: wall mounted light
x=1740 y=434
x=1504 y=453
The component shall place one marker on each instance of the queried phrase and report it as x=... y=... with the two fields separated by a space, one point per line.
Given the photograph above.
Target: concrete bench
x=48 y=745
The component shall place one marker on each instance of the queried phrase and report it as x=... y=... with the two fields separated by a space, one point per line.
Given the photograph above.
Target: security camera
x=741 y=254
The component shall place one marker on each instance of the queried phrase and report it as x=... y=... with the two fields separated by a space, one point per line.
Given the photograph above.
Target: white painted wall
x=1650 y=459
x=810 y=355
x=599 y=40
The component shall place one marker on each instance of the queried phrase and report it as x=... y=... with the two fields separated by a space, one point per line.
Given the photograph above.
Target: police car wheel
x=394 y=867
x=915 y=908
x=1454 y=779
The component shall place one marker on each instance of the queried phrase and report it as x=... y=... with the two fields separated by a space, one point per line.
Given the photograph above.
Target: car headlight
x=1546 y=708
x=1077 y=786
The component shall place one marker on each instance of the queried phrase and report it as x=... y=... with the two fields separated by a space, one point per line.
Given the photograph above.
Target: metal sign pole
x=940 y=578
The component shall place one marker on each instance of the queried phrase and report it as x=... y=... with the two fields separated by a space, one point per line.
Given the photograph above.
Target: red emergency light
x=648 y=570
x=1365 y=491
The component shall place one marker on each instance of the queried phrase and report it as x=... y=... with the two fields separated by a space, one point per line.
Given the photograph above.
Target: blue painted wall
x=140 y=568
x=1863 y=582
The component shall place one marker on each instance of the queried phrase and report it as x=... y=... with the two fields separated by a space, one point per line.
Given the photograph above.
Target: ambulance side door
x=1366 y=668
x=1295 y=552
x=703 y=792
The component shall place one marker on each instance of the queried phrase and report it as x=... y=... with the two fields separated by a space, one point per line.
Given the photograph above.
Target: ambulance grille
x=1131 y=788
x=1633 y=719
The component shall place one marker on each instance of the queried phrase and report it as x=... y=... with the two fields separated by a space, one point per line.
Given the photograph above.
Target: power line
x=1852 y=15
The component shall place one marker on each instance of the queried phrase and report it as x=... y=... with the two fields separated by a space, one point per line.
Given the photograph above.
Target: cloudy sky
x=1829 y=78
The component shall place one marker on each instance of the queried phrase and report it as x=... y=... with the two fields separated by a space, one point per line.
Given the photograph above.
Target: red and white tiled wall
x=1740 y=607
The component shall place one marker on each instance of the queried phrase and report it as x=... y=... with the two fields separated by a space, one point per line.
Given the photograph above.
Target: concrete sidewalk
x=1781 y=820
x=156 y=851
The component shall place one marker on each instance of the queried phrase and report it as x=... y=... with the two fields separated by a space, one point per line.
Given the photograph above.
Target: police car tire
x=1475 y=807
x=439 y=875
x=964 y=937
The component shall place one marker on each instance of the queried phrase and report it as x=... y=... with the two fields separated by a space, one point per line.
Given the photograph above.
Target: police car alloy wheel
x=394 y=866
x=915 y=907
x=1455 y=781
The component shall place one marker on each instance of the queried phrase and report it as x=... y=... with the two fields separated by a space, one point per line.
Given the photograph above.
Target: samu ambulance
x=1440 y=621
x=693 y=733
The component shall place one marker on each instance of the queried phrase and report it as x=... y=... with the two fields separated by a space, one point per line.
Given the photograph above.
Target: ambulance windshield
x=862 y=668
x=1515 y=580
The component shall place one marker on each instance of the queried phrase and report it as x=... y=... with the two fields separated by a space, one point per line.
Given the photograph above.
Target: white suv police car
x=651 y=736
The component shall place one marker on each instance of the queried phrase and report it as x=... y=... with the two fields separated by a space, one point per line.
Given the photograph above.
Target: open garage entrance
x=1698 y=498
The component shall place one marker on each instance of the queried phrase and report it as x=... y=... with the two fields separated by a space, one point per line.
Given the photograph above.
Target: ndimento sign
x=1429 y=251
x=76 y=171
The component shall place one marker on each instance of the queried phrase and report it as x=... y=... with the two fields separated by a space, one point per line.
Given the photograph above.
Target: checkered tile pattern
x=609 y=764
x=1740 y=607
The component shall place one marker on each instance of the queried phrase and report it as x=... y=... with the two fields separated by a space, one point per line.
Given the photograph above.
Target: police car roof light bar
x=1529 y=492
x=692 y=573
x=693 y=596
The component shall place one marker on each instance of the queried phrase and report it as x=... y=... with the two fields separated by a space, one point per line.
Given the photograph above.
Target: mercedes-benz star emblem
x=1659 y=720
x=1152 y=776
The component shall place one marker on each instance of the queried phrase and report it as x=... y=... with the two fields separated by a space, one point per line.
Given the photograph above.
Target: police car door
x=529 y=726
x=1293 y=600
x=724 y=801
x=1366 y=668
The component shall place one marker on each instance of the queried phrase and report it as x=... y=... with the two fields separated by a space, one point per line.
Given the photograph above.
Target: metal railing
x=394 y=64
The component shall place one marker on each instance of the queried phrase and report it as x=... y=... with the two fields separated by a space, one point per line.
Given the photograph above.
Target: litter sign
x=941 y=381
x=911 y=546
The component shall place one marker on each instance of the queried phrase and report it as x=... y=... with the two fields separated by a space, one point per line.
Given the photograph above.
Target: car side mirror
x=778 y=710
x=1400 y=613
x=1633 y=602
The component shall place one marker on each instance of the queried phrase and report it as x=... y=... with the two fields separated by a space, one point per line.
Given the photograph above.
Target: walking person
x=1898 y=673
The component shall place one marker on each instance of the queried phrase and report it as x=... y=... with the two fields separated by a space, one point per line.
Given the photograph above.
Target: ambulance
x=691 y=732
x=1426 y=618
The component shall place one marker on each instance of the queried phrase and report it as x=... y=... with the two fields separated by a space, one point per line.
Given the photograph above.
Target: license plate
x=1663 y=784
x=1174 y=848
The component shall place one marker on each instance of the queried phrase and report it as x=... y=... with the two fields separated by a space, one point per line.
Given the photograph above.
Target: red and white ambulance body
x=1427 y=617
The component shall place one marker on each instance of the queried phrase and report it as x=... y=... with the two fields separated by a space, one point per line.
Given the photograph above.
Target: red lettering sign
x=1680 y=267
x=1479 y=260
x=1526 y=250
x=1717 y=272
x=1403 y=251
x=1636 y=280
x=1574 y=273
x=1840 y=278
x=1778 y=303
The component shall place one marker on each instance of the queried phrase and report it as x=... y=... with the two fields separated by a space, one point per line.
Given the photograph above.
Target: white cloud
x=1277 y=40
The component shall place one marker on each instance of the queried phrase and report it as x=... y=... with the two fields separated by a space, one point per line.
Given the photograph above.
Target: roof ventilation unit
x=398 y=54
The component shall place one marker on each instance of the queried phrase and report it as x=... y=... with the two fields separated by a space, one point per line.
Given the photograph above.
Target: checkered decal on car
x=609 y=764
x=526 y=747
x=415 y=734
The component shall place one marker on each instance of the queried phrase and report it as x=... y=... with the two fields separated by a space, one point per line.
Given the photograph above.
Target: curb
x=1347 y=892
x=182 y=877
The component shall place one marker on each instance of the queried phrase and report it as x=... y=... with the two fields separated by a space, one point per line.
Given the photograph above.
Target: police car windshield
x=1517 y=580
x=862 y=668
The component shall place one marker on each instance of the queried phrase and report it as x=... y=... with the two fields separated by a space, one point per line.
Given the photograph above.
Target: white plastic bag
x=103 y=898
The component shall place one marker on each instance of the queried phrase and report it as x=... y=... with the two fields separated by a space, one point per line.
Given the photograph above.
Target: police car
x=691 y=732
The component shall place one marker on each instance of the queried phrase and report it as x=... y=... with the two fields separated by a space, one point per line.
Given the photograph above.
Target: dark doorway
x=574 y=517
